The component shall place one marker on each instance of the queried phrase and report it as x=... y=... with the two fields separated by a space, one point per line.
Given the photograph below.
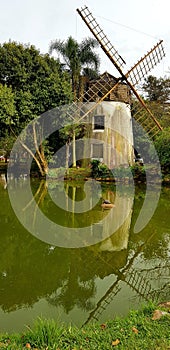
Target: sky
x=133 y=27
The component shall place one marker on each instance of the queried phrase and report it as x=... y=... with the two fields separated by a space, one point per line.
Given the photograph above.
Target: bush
x=99 y=170
x=138 y=172
x=162 y=145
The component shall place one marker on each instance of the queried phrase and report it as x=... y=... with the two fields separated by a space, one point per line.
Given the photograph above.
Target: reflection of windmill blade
x=146 y=63
x=104 y=302
x=134 y=280
x=158 y=271
x=98 y=33
x=139 y=284
x=114 y=289
x=154 y=274
x=160 y=294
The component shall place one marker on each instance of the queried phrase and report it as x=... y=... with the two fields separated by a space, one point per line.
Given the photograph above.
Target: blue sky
x=133 y=27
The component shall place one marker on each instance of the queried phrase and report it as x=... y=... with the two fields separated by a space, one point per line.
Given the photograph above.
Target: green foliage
x=78 y=58
x=138 y=331
x=157 y=94
x=45 y=333
x=162 y=144
x=6 y=143
x=30 y=84
x=95 y=168
x=8 y=113
x=138 y=172
x=157 y=89
x=36 y=82
x=99 y=170
x=122 y=172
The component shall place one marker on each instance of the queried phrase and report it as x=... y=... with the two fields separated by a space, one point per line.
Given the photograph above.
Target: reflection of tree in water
x=70 y=297
x=74 y=291
x=38 y=198
x=76 y=193
x=31 y=270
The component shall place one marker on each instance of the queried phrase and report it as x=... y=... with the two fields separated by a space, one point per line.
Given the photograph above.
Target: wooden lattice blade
x=77 y=110
x=144 y=116
x=104 y=42
x=146 y=63
x=141 y=68
x=136 y=73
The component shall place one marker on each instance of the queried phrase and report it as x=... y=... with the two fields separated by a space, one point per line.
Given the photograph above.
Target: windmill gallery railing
x=77 y=110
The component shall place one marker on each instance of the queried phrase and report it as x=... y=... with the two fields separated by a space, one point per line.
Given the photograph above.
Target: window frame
x=100 y=125
x=100 y=154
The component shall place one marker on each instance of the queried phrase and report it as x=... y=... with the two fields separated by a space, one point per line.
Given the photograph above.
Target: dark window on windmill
x=99 y=122
x=97 y=152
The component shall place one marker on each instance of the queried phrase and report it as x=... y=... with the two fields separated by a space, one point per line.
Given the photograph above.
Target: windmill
x=137 y=72
x=100 y=91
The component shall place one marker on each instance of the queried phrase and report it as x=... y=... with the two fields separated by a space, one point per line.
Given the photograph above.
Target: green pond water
x=63 y=256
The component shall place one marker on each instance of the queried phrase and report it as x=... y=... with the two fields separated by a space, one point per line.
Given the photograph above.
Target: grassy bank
x=146 y=329
x=124 y=175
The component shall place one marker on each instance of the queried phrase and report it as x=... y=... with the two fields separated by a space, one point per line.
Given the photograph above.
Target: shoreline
x=146 y=328
x=81 y=174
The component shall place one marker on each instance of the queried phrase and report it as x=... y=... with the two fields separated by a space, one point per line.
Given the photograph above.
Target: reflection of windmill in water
x=106 y=102
x=138 y=281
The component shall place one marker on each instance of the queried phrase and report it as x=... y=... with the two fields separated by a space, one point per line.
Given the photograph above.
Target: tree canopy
x=30 y=84
x=157 y=89
x=78 y=58
x=36 y=81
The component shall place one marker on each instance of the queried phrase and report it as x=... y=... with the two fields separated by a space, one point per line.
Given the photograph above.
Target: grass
x=73 y=173
x=138 y=331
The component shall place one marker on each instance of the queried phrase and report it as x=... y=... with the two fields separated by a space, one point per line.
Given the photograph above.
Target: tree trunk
x=43 y=161
x=75 y=84
x=67 y=156
x=74 y=149
x=40 y=157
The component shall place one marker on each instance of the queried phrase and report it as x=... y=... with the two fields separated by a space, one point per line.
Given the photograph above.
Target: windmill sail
x=134 y=75
x=146 y=63
x=98 y=33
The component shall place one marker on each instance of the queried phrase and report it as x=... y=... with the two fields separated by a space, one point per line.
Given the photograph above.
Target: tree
x=157 y=93
x=36 y=83
x=162 y=144
x=8 y=113
x=79 y=59
x=157 y=89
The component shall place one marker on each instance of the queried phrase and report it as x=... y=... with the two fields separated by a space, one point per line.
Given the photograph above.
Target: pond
x=93 y=266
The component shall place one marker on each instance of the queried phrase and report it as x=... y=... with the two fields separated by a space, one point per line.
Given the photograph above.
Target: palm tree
x=79 y=59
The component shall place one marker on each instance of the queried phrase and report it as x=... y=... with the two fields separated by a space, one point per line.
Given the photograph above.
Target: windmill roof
x=106 y=76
